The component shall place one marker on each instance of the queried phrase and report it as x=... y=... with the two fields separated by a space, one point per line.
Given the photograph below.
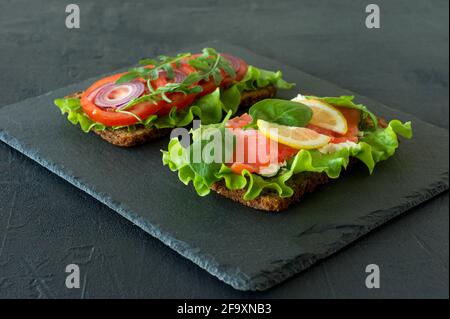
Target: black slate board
x=245 y=248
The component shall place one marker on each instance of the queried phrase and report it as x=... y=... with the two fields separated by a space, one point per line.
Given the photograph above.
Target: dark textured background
x=45 y=223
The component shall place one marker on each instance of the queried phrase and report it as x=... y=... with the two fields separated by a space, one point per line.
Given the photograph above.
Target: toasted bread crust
x=141 y=135
x=76 y=95
x=248 y=98
x=302 y=184
x=124 y=138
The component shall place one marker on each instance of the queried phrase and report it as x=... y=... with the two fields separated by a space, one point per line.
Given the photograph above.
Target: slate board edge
x=232 y=276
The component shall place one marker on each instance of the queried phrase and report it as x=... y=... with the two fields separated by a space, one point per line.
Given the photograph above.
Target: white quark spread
x=331 y=148
x=271 y=170
x=299 y=97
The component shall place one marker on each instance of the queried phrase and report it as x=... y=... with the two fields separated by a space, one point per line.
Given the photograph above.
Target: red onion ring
x=178 y=77
x=234 y=62
x=113 y=95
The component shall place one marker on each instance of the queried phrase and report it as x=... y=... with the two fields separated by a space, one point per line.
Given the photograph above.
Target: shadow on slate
x=248 y=249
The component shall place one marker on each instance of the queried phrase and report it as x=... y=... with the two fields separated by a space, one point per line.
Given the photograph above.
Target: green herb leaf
x=196 y=89
x=148 y=62
x=217 y=77
x=207 y=52
x=209 y=109
x=154 y=74
x=169 y=71
x=226 y=66
x=128 y=77
x=192 y=78
x=143 y=72
x=199 y=64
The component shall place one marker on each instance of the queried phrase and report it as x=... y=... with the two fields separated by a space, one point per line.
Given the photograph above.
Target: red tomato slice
x=111 y=117
x=145 y=109
x=210 y=86
x=240 y=72
x=163 y=80
x=180 y=100
x=207 y=86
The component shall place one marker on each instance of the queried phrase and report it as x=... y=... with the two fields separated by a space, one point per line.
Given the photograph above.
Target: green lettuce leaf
x=76 y=115
x=256 y=78
x=384 y=142
x=230 y=98
x=208 y=109
x=376 y=145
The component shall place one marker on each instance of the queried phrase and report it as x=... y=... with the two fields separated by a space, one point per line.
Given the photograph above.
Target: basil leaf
x=281 y=112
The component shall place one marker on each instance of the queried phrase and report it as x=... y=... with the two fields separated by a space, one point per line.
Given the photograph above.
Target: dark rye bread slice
x=302 y=184
x=141 y=135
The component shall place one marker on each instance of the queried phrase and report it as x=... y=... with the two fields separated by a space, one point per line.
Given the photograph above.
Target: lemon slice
x=325 y=116
x=295 y=137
